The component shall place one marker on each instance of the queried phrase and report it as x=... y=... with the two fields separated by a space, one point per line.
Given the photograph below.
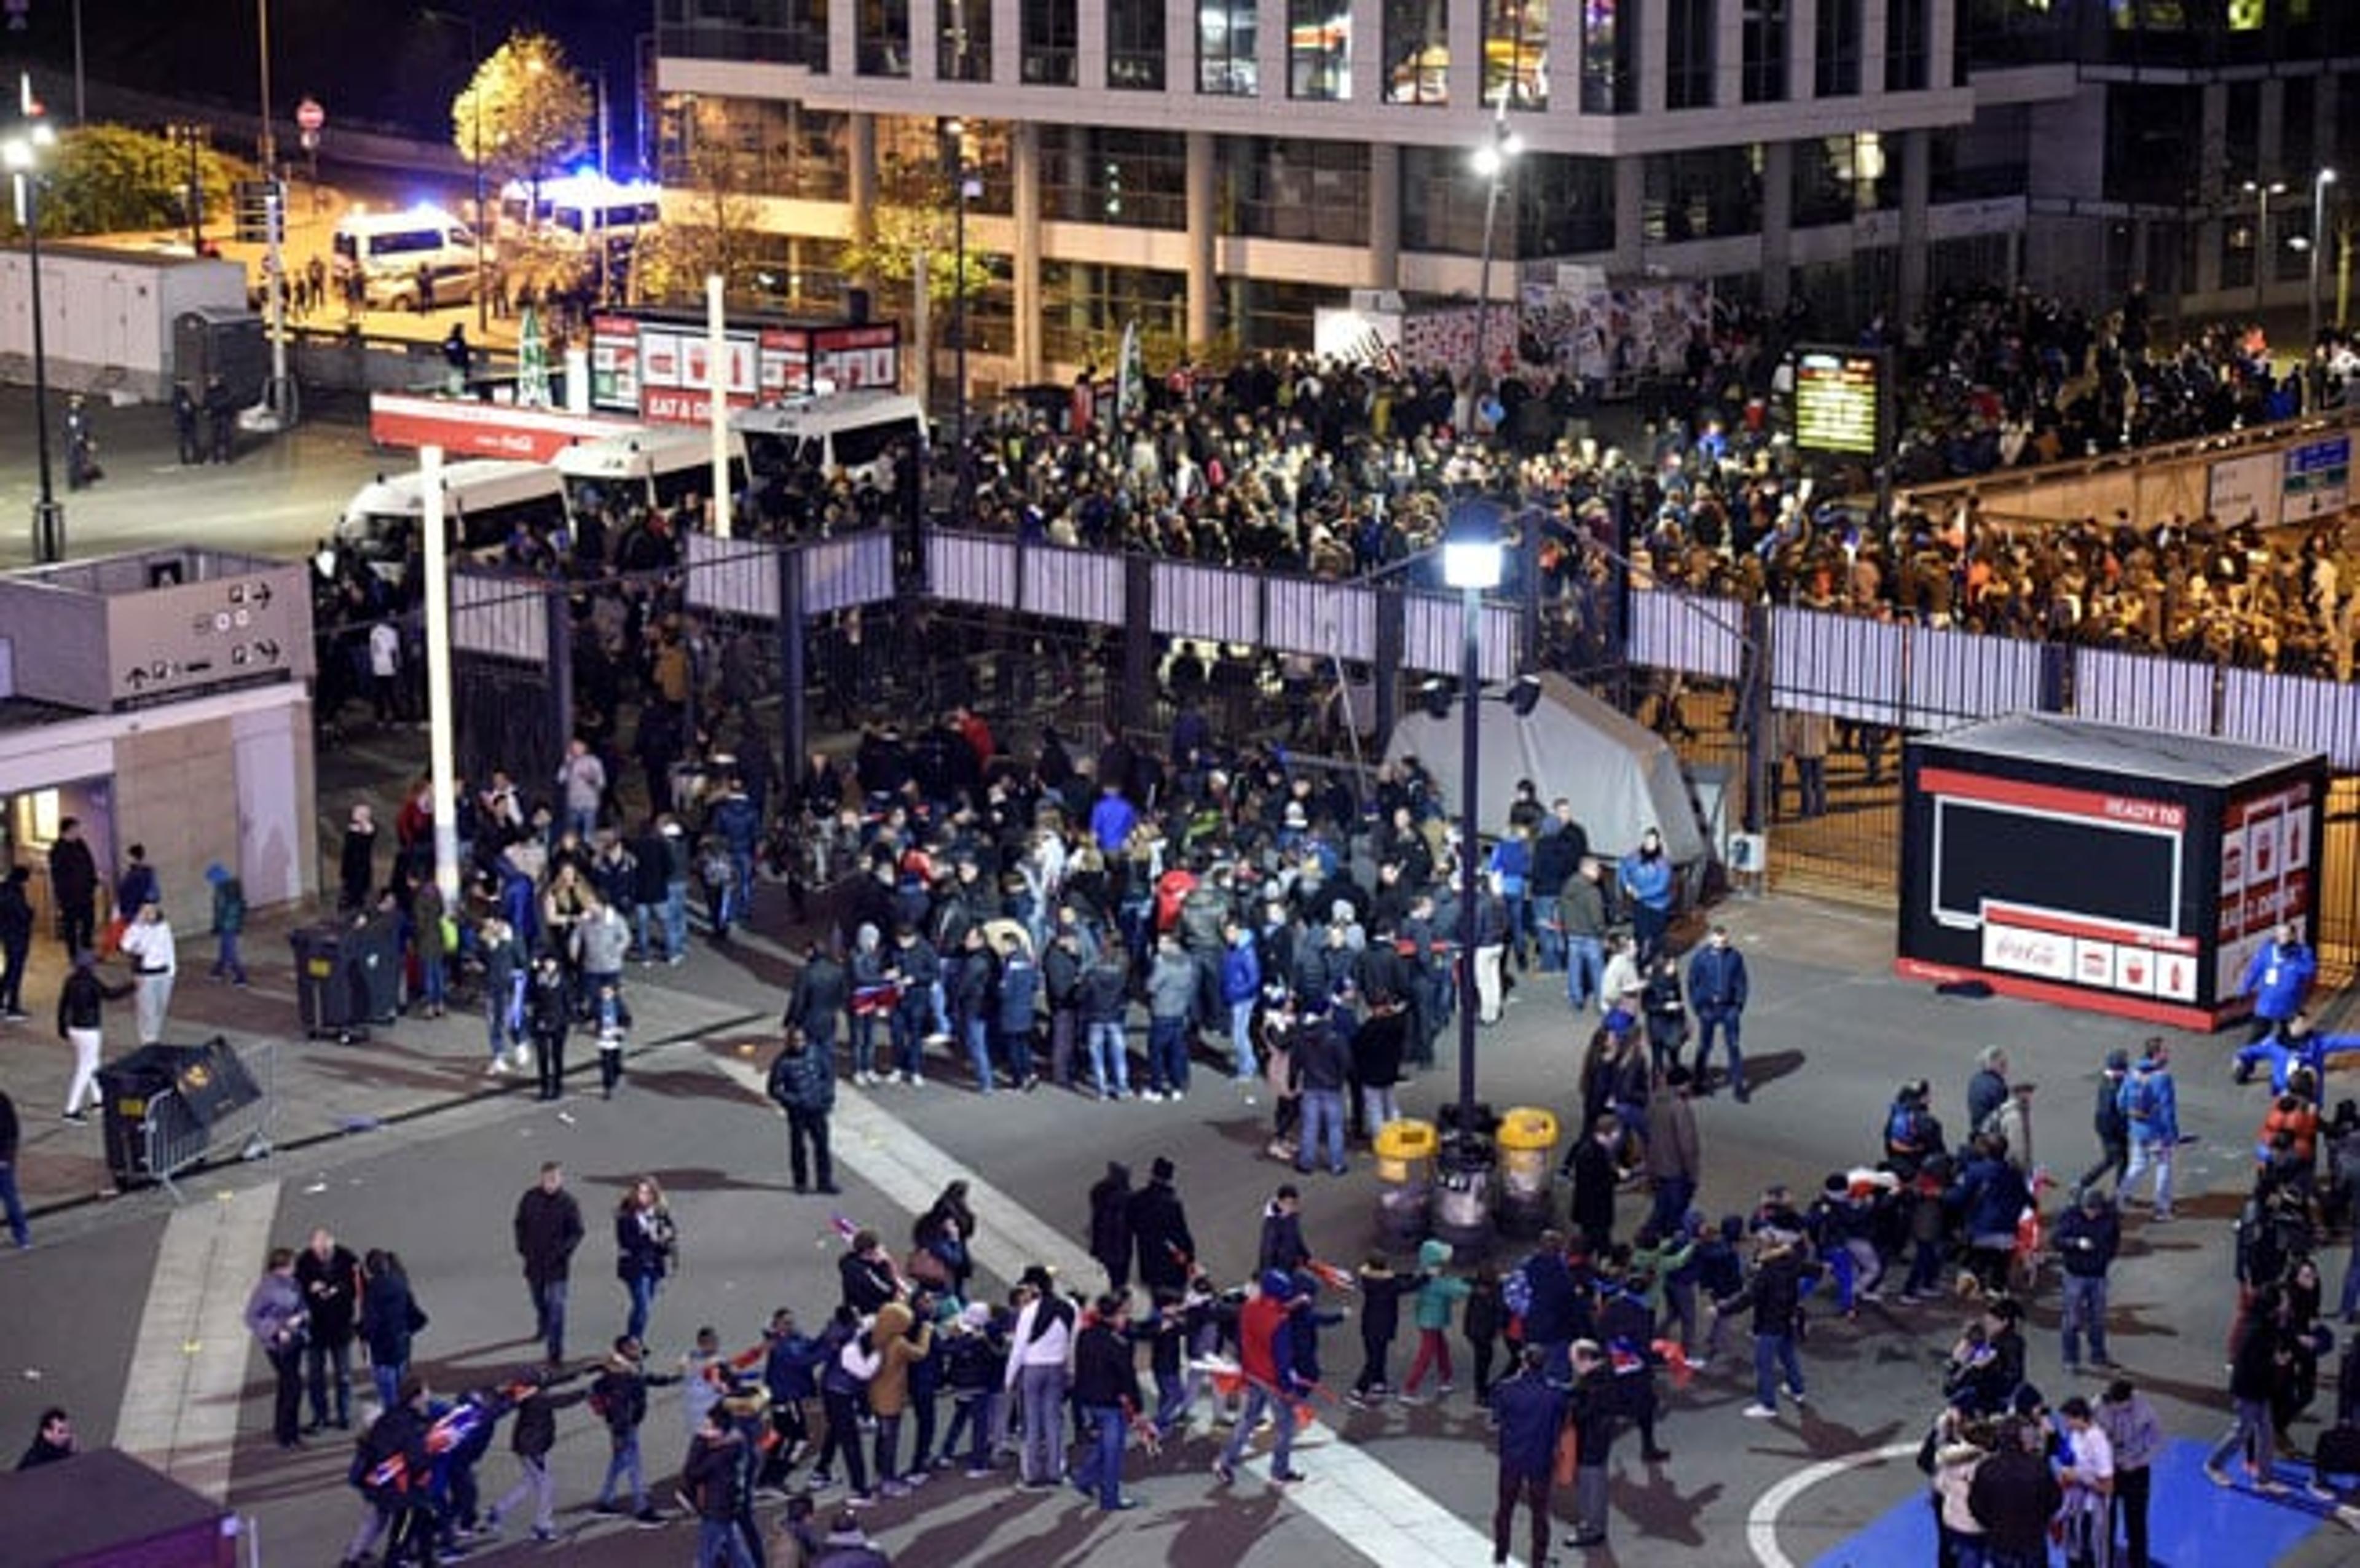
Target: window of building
x=1283 y=189
x=1417 y=51
x=2299 y=125
x=1227 y=34
x=963 y=39
x=881 y=39
x=1762 y=78
x=2151 y=143
x=1908 y=45
x=1515 y=52
x=770 y=147
x=1086 y=305
x=1992 y=156
x=1319 y=50
x=1688 y=54
x=1564 y=205
x=1135 y=45
x=1610 y=57
x=1442 y=201
x=1835 y=53
x=1839 y=178
x=1051 y=33
x=1264 y=313
x=1710 y=194
x=1133 y=180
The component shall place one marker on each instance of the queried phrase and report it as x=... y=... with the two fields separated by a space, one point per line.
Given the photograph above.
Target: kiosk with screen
x=2116 y=869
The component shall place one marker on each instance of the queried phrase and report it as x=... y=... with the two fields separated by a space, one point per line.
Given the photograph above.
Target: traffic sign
x=309 y=115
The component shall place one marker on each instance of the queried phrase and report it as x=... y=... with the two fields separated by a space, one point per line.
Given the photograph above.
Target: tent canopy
x=1620 y=778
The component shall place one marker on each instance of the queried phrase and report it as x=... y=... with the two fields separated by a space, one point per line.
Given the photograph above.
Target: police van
x=484 y=500
x=397 y=254
x=652 y=468
x=853 y=433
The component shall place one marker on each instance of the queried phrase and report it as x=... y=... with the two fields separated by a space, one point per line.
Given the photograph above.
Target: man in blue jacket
x=2293 y=1044
x=2151 y=1103
x=1717 y=990
x=2278 y=977
x=1530 y=1411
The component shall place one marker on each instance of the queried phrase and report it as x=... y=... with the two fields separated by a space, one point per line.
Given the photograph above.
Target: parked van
x=854 y=433
x=653 y=467
x=484 y=501
x=577 y=210
x=390 y=249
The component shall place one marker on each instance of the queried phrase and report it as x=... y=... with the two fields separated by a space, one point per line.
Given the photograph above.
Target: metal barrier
x=177 y=1136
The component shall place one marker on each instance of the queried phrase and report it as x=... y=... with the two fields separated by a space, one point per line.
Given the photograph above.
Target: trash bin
x=125 y=1088
x=1465 y=1169
x=328 y=991
x=1404 y=1152
x=376 y=956
x=1527 y=1136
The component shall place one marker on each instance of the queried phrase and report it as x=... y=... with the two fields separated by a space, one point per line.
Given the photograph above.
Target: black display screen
x=2076 y=867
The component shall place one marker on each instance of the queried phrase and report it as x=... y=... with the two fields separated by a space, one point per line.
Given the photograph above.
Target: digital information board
x=1839 y=400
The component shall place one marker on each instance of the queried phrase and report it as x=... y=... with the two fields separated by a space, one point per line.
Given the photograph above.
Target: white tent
x=1620 y=778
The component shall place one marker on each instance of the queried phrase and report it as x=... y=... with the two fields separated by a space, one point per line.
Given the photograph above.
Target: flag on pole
x=532 y=363
x=1131 y=378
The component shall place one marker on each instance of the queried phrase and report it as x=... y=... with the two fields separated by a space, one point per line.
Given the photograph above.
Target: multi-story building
x=1223 y=168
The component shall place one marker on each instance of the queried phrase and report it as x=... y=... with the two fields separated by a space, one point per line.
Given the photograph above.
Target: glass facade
x=1908 y=45
x=1135 y=45
x=2152 y=152
x=1319 y=50
x=1839 y=178
x=1086 y=306
x=1268 y=314
x=1835 y=52
x=1562 y=205
x=1417 y=51
x=1051 y=33
x=1710 y=194
x=1515 y=52
x=1283 y=189
x=1442 y=201
x=963 y=41
x=1688 y=54
x=1229 y=33
x=1610 y=57
x=881 y=37
x=1766 y=22
x=776 y=147
x=1128 y=180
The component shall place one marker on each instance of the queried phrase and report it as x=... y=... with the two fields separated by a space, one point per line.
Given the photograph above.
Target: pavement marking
x=188 y=1366
x=1367 y=1506
x=1762 y=1523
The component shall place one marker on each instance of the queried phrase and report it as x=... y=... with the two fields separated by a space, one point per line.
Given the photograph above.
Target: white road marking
x=1762 y=1523
x=188 y=1367
x=1368 y=1507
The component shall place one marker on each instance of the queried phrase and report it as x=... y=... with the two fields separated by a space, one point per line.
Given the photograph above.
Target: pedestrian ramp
x=2187 y=1523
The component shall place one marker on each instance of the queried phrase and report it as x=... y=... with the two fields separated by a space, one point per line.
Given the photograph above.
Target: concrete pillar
x=1916 y=153
x=1024 y=171
x=1873 y=19
x=2213 y=185
x=1630 y=216
x=1384 y=215
x=1202 y=178
x=863 y=178
x=1778 y=225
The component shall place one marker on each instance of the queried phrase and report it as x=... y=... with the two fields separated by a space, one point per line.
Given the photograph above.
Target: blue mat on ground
x=2187 y=1521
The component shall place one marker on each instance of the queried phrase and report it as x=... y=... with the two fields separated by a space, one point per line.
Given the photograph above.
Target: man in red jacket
x=1266 y=1355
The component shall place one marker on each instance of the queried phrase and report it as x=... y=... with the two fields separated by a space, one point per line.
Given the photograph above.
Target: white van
x=577 y=210
x=654 y=467
x=388 y=250
x=484 y=501
x=852 y=432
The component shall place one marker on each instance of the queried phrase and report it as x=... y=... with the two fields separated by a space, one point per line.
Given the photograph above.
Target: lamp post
x=965 y=176
x=20 y=155
x=1492 y=160
x=1471 y=563
x=2261 y=193
x=2318 y=184
x=475 y=143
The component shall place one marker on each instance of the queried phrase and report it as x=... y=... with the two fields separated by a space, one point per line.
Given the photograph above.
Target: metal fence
x=177 y=1136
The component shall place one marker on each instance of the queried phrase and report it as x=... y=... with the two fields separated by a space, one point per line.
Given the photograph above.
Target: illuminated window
x=1417 y=51
x=1319 y=50
x=963 y=41
x=1515 y=52
x=1227 y=34
x=1610 y=57
x=883 y=40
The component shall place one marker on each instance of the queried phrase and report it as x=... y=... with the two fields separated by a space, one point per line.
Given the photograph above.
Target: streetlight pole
x=2261 y=191
x=1492 y=160
x=965 y=506
x=2318 y=184
x=21 y=154
x=1471 y=563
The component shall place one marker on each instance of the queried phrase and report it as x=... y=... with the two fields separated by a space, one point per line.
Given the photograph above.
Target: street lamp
x=2318 y=184
x=1492 y=160
x=20 y=153
x=968 y=188
x=2261 y=193
x=1471 y=563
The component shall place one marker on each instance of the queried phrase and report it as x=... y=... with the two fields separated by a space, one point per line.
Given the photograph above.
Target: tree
x=713 y=231
x=525 y=113
x=107 y=178
x=916 y=214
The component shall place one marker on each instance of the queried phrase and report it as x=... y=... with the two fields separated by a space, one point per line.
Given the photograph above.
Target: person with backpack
x=802 y=1085
x=390 y=1468
x=619 y=1396
x=2150 y=1105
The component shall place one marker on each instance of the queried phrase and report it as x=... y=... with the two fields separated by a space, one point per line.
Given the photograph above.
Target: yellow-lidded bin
x=1404 y=1151
x=1527 y=1136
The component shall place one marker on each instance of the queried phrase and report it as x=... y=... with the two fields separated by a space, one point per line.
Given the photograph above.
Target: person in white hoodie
x=1039 y=1353
x=147 y=943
